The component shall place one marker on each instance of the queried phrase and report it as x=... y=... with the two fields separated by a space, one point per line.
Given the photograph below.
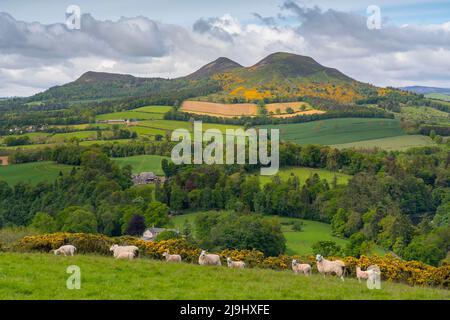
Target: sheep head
x=319 y=258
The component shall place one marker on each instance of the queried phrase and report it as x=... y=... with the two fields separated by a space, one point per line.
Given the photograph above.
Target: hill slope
x=219 y=65
x=282 y=76
x=106 y=278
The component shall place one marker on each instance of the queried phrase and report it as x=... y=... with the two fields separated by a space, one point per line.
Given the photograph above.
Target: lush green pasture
x=153 y=109
x=129 y=115
x=304 y=173
x=393 y=143
x=337 y=131
x=425 y=114
x=33 y=172
x=44 y=276
x=170 y=125
x=298 y=242
x=143 y=163
x=143 y=113
x=438 y=96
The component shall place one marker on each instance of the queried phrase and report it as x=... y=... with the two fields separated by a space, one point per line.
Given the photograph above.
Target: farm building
x=144 y=178
x=151 y=233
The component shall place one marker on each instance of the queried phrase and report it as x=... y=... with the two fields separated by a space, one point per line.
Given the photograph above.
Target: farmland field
x=298 y=242
x=143 y=163
x=338 y=131
x=304 y=173
x=105 y=278
x=246 y=109
x=33 y=172
x=425 y=114
x=142 y=113
x=439 y=96
x=392 y=143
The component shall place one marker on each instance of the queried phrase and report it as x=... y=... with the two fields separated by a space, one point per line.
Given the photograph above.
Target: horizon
x=145 y=40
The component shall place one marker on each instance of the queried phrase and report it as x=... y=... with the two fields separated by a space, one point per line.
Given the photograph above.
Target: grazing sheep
x=65 y=250
x=235 y=264
x=172 y=257
x=327 y=267
x=116 y=249
x=125 y=255
x=301 y=267
x=209 y=259
x=363 y=274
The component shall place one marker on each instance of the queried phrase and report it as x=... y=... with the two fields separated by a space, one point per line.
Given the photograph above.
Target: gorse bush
x=392 y=268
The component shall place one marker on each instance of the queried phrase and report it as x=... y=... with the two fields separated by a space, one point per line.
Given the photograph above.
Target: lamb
x=65 y=250
x=125 y=255
x=301 y=267
x=209 y=259
x=327 y=267
x=172 y=257
x=235 y=264
x=116 y=249
x=363 y=274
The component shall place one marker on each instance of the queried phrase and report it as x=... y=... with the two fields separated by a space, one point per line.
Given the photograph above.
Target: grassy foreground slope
x=43 y=276
x=32 y=172
x=338 y=131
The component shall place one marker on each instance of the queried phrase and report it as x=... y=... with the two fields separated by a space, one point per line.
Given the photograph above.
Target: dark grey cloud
x=331 y=26
x=210 y=26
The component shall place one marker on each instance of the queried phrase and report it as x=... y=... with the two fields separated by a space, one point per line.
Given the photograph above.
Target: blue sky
x=171 y=38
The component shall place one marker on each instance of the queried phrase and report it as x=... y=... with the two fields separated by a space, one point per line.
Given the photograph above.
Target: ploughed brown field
x=246 y=109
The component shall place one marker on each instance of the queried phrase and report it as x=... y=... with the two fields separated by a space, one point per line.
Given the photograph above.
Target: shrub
x=327 y=248
x=297 y=226
x=166 y=235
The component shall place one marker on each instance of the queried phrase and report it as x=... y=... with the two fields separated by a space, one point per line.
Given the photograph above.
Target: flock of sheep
x=324 y=266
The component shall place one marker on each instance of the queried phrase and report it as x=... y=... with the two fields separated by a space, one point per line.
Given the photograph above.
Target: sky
x=171 y=38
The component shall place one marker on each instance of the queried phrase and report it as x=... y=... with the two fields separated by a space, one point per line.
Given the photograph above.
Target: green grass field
x=33 y=172
x=438 y=96
x=393 y=143
x=43 y=276
x=143 y=163
x=304 y=173
x=297 y=242
x=143 y=113
x=425 y=114
x=338 y=131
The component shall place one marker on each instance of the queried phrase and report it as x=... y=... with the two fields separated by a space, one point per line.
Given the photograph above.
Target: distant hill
x=426 y=90
x=92 y=77
x=278 y=77
x=219 y=65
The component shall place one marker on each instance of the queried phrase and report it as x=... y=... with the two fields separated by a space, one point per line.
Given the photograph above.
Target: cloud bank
x=35 y=56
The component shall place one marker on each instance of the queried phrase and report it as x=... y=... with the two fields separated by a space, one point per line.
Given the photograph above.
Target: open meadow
x=33 y=172
x=44 y=276
x=338 y=131
x=143 y=163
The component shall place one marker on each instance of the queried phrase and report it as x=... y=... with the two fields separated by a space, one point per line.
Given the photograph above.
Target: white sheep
x=209 y=259
x=125 y=255
x=301 y=267
x=327 y=267
x=172 y=257
x=65 y=250
x=363 y=274
x=116 y=249
x=235 y=264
